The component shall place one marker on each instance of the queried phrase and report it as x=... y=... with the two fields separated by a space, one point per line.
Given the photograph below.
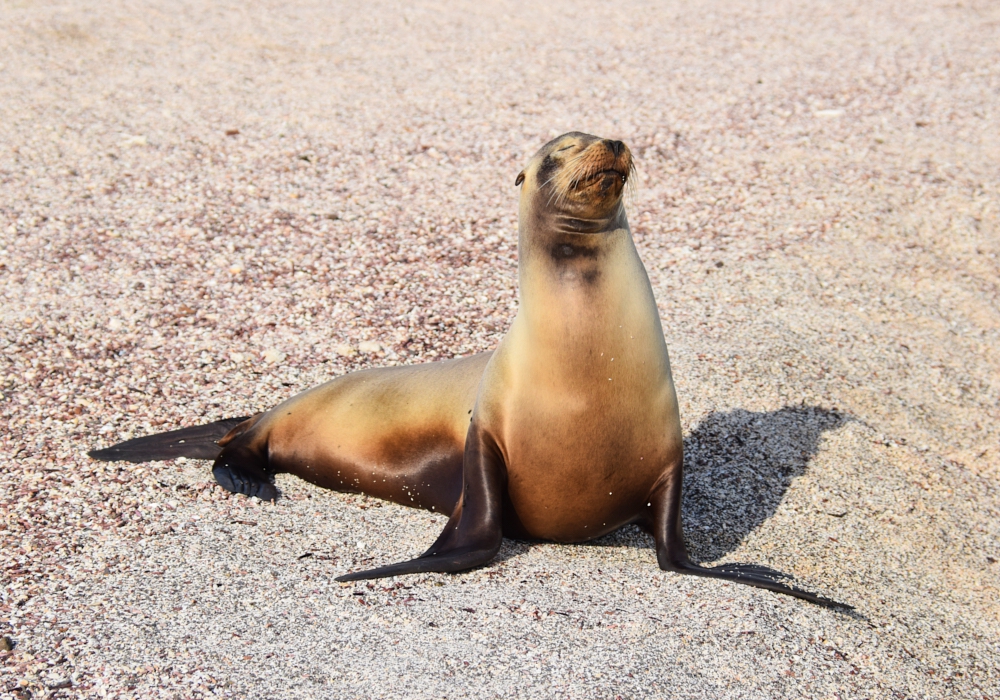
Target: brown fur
x=397 y=433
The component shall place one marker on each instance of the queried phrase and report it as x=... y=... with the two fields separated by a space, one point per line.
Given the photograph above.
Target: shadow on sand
x=737 y=467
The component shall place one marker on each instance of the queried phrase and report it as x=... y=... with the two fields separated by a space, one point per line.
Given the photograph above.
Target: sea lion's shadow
x=738 y=466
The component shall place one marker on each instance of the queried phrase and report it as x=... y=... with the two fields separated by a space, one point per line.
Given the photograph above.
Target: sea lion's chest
x=585 y=435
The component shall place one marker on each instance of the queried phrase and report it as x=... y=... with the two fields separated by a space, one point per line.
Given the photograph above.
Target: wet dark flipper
x=664 y=521
x=474 y=532
x=745 y=569
x=745 y=573
x=241 y=469
x=452 y=562
x=199 y=442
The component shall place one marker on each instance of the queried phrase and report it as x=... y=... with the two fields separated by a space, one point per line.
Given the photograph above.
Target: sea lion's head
x=576 y=182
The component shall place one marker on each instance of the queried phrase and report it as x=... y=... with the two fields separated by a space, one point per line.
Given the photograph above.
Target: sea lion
x=569 y=430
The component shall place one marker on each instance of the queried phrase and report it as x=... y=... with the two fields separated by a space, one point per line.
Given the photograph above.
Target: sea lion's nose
x=615 y=147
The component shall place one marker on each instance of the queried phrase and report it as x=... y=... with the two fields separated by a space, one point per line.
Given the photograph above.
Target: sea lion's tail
x=199 y=442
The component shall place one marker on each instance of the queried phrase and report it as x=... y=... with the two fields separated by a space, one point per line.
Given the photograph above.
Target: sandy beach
x=206 y=208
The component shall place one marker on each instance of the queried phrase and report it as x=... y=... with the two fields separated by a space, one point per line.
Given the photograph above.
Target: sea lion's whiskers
x=557 y=197
x=631 y=194
x=541 y=186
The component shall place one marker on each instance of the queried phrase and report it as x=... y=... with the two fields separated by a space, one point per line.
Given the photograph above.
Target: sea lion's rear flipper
x=199 y=442
x=243 y=468
x=474 y=532
x=664 y=520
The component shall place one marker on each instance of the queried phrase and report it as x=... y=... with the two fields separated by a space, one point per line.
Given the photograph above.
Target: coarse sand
x=207 y=207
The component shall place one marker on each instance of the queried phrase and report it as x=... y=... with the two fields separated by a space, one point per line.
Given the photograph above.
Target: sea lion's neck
x=570 y=250
x=544 y=221
x=584 y=299
x=578 y=283
x=558 y=223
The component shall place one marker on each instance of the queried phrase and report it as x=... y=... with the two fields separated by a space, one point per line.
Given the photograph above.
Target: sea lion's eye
x=564 y=148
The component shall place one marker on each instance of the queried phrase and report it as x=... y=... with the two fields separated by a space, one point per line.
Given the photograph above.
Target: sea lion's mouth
x=602 y=178
x=623 y=174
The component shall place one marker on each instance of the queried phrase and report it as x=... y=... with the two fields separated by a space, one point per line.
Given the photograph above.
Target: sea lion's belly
x=578 y=474
x=415 y=463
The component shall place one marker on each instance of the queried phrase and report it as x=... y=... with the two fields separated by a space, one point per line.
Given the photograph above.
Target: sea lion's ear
x=520 y=179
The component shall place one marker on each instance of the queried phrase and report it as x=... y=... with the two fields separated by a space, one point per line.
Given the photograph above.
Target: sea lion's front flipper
x=664 y=520
x=473 y=534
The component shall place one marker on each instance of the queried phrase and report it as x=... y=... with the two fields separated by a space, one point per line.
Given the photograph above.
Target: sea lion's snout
x=603 y=158
x=600 y=168
x=622 y=164
x=622 y=156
